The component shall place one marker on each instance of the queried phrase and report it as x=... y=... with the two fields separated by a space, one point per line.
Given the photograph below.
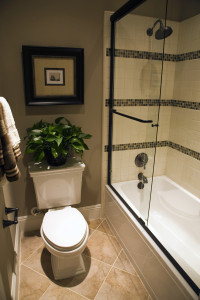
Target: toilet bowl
x=65 y=233
x=64 y=229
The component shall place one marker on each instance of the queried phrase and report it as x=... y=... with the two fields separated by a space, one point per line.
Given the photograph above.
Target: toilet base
x=67 y=267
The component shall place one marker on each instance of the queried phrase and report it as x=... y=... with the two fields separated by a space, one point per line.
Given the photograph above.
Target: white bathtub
x=174 y=219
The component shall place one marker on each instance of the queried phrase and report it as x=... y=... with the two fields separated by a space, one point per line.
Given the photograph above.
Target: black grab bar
x=130 y=117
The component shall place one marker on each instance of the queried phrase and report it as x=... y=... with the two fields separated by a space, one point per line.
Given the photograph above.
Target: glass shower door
x=137 y=79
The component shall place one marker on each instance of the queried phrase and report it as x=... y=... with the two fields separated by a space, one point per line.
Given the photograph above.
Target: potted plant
x=54 y=141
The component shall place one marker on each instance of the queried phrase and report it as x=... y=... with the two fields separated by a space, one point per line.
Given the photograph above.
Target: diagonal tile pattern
x=109 y=273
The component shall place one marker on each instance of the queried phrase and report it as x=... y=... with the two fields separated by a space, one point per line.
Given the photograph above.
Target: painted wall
x=55 y=23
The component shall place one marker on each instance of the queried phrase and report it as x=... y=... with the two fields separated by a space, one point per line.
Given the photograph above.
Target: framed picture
x=53 y=75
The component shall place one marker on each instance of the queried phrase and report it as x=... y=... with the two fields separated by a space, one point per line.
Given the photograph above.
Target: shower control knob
x=141 y=160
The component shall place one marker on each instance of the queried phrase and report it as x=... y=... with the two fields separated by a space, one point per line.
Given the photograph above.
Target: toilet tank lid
x=73 y=164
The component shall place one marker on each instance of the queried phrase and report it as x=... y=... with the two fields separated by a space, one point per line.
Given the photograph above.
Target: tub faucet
x=142 y=178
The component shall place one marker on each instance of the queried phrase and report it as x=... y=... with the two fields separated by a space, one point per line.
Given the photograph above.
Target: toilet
x=64 y=230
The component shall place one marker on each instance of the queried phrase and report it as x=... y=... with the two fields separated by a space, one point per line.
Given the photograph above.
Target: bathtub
x=174 y=220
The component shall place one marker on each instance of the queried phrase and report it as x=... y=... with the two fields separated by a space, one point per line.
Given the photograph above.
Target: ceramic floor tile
x=103 y=247
x=40 y=261
x=93 y=224
x=105 y=227
x=87 y=284
x=30 y=243
x=32 y=284
x=59 y=293
x=122 y=285
x=124 y=263
x=37 y=280
x=91 y=231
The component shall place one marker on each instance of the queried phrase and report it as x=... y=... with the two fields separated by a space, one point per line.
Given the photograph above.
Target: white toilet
x=64 y=229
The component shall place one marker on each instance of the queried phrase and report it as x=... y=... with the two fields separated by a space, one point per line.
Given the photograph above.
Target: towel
x=9 y=123
x=10 y=152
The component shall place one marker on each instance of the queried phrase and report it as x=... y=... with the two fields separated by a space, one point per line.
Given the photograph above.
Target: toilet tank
x=57 y=186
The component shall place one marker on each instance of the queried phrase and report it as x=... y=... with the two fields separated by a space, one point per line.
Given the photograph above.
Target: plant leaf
x=54 y=152
x=57 y=121
x=84 y=136
x=38 y=154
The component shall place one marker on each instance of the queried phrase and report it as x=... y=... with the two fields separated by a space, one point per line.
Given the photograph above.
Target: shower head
x=162 y=32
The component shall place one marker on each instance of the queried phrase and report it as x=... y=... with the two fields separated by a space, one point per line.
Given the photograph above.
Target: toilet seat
x=64 y=229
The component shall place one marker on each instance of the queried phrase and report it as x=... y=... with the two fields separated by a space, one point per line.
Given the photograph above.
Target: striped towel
x=9 y=148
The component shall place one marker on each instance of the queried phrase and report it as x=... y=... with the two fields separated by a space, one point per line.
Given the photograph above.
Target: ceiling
x=177 y=10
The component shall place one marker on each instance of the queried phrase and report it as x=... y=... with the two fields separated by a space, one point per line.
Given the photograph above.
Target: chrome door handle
x=9 y=210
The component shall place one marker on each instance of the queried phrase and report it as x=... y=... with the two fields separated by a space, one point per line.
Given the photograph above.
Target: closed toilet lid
x=64 y=229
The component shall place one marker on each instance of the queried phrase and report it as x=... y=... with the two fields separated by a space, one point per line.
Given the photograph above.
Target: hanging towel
x=9 y=123
x=10 y=152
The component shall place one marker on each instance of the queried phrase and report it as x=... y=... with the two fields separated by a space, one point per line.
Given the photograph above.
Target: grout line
x=108 y=273
x=45 y=291
x=106 y=233
x=36 y=271
x=97 y=260
x=34 y=251
x=102 y=220
x=94 y=229
x=108 y=227
x=79 y=294
x=126 y=271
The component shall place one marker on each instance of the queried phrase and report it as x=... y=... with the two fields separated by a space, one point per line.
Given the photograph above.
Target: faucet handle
x=140 y=176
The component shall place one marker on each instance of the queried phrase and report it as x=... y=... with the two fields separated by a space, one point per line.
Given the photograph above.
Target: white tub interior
x=174 y=219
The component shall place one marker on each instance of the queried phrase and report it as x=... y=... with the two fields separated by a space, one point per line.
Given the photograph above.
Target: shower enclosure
x=154 y=124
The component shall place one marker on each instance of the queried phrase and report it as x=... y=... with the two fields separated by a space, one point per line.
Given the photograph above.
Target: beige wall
x=55 y=23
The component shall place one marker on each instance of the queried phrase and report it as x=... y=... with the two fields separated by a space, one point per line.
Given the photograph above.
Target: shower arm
x=158 y=21
x=130 y=117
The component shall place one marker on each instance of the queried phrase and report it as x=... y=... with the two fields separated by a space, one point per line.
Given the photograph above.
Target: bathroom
x=83 y=24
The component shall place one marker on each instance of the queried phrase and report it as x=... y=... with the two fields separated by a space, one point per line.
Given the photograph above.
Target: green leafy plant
x=55 y=140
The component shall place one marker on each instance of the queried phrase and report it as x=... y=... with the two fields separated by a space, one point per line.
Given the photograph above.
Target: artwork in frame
x=53 y=75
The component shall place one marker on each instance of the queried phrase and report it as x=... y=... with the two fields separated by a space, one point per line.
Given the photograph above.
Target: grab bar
x=130 y=117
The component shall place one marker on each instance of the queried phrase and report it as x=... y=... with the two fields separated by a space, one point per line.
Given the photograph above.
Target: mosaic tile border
x=154 y=102
x=144 y=145
x=154 y=55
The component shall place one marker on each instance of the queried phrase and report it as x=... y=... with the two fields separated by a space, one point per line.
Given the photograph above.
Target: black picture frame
x=53 y=75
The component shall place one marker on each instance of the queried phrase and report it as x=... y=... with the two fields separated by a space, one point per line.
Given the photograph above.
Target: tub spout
x=142 y=178
x=145 y=180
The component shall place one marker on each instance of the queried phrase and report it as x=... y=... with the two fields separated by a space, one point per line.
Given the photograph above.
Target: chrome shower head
x=162 y=32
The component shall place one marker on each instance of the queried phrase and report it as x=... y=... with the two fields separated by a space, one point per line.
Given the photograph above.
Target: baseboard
x=16 y=271
x=91 y=212
x=30 y=223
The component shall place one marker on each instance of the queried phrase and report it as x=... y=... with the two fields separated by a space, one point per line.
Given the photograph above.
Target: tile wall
x=137 y=76
x=185 y=123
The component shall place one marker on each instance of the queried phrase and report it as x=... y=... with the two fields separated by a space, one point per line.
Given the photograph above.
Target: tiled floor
x=109 y=276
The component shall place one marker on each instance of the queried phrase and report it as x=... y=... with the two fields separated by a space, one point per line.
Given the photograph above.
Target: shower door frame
x=119 y=14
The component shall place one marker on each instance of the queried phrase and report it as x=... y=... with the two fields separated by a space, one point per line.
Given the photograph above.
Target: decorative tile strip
x=133 y=146
x=154 y=102
x=154 y=55
x=185 y=150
